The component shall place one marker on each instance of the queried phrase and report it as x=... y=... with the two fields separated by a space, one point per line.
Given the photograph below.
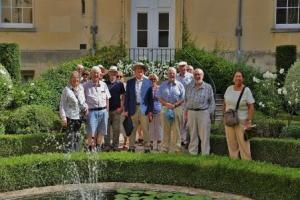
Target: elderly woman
x=235 y=134
x=155 y=128
x=72 y=106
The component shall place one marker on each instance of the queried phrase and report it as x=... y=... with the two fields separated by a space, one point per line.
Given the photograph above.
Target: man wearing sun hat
x=116 y=102
x=139 y=104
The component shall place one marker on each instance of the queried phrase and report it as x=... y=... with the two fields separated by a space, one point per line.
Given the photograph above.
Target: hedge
x=284 y=152
x=10 y=58
x=30 y=119
x=248 y=178
x=15 y=145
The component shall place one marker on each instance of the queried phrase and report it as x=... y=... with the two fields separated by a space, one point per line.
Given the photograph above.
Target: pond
x=120 y=194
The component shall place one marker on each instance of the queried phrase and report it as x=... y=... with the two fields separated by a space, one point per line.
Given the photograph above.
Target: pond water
x=120 y=194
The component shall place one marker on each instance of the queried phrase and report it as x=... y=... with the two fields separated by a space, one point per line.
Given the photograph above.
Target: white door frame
x=152 y=8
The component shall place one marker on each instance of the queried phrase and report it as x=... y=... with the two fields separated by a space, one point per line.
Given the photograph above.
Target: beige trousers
x=171 y=135
x=114 y=122
x=139 y=118
x=236 y=142
x=199 y=127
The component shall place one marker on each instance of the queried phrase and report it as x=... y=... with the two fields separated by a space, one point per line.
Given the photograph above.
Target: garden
x=32 y=138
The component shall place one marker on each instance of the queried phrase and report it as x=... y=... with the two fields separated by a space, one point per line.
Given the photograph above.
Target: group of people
x=175 y=114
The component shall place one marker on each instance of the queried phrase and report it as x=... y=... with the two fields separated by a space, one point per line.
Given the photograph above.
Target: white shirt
x=138 y=86
x=231 y=97
x=69 y=105
x=96 y=95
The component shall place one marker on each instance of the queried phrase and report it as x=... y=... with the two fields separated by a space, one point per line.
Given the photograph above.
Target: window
x=142 y=30
x=163 y=32
x=287 y=14
x=83 y=7
x=16 y=14
x=27 y=75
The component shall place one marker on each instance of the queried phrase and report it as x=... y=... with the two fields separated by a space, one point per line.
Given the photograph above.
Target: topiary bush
x=6 y=88
x=220 y=70
x=286 y=55
x=32 y=119
x=10 y=58
x=292 y=86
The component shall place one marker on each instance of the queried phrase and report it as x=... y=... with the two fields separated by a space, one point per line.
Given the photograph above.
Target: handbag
x=128 y=126
x=231 y=117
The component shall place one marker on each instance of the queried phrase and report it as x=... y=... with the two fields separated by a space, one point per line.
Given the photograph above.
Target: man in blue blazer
x=139 y=104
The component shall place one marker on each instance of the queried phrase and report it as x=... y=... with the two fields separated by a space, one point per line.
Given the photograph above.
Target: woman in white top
x=235 y=135
x=72 y=107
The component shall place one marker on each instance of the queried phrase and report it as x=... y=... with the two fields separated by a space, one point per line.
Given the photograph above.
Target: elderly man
x=199 y=104
x=190 y=69
x=116 y=102
x=97 y=98
x=185 y=78
x=139 y=104
x=171 y=95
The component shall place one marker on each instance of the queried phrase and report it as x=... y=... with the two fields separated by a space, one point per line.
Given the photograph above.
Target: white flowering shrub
x=292 y=85
x=157 y=68
x=6 y=87
x=268 y=97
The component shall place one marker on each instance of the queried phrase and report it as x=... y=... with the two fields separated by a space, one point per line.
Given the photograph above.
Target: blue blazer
x=146 y=97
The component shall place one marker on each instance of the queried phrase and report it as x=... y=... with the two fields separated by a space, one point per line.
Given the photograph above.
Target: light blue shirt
x=185 y=79
x=171 y=92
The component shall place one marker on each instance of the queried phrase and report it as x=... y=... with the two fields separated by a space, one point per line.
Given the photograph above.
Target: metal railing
x=163 y=55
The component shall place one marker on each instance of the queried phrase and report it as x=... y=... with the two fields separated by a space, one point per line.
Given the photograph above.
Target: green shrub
x=16 y=145
x=286 y=55
x=32 y=119
x=111 y=55
x=267 y=97
x=220 y=70
x=292 y=85
x=292 y=131
x=6 y=86
x=48 y=88
x=248 y=178
x=10 y=58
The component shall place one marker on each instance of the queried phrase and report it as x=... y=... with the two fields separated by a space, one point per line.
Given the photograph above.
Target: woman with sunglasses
x=85 y=76
x=120 y=78
x=155 y=128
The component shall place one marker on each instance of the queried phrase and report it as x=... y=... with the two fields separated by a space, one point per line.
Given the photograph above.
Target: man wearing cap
x=171 y=95
x=139 y=104
x=199 y=104
x=116 y=102
x=97 y=98
x=185 y=78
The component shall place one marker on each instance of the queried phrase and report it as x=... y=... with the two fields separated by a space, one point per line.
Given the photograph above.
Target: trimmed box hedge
x=248 y=178
x=284 y=152
x=15 y=145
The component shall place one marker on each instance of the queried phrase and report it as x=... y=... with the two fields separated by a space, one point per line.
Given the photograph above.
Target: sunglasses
x=119 y=76
x=153 y=79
